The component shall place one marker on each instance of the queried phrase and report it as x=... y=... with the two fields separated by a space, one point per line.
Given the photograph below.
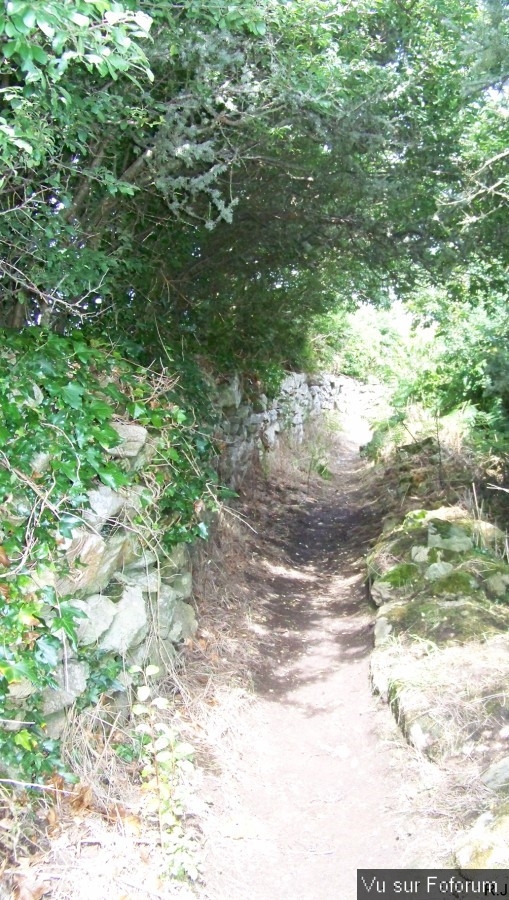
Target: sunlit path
x=320 y=783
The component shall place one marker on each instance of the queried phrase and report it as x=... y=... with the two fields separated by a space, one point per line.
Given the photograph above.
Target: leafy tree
x=330 y=149
x=325 y=134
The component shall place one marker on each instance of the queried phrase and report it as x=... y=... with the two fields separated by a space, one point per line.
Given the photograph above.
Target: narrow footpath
x=320 y=782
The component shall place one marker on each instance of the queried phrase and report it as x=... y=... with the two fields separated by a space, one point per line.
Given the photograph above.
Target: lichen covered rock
x=441 y=657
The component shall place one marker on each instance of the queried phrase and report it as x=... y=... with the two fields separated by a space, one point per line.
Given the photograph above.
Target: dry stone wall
x=440 y=580
x=249 y=427
x=133 y=601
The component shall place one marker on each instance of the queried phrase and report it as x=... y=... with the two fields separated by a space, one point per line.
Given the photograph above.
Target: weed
x=166 y=760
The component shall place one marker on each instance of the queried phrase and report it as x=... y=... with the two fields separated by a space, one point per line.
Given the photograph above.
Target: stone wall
x=132 y=600
x=440 y=580
x=249 y=427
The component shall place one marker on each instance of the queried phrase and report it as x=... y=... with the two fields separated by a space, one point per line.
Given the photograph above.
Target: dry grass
x=97 y=839
x=459 y=695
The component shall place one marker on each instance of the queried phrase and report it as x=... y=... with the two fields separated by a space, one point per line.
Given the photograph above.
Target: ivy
x=60 y=397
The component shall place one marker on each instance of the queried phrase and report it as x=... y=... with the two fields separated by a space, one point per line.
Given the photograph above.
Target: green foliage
x=166 y=761
x=368 y=343
x=39 y=44
x=59 y=399
x=465 y=362
x=104 y=670
x=455 y=387
x=44 y=41
x=325 y=135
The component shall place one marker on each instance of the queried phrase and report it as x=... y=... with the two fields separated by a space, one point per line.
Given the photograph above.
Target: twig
x=40 y=787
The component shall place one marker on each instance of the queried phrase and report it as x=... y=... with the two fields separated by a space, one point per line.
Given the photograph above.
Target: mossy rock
x=497 y=586
x=393 y=549
x=421 y=730
x=446 y=536
x=446 y=532
x=443 y=527
x=454 y=583
x=396 y=584
x=488 y=535
x=486 y=844
x=450 y=701
x=444 y=622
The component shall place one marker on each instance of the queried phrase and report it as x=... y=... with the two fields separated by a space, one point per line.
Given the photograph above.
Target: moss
x=435 y=555
x=415 y=519
x=457 y=582
x=402 y=574
x=428 y=618
x=442 y=527
x=411 y=615
x=487 y=567
x=401 y=543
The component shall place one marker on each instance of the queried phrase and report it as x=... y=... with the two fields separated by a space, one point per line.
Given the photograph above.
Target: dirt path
x=319 y=783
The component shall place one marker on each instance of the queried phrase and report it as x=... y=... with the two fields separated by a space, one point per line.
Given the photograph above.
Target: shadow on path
x=316 y=602
x=314 y=793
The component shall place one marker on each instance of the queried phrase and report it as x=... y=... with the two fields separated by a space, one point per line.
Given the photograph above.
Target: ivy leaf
x=66 y=622
x=106 y=436
x=25 y=739
x=101 y=410
x=47 y=650
x=112 y=477
x=66 y=525
x=13 y=671
x=68 y=468
x=73 y=394
x=136 y=410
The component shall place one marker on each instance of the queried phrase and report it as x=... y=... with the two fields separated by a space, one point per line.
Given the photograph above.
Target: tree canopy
x=216 y=175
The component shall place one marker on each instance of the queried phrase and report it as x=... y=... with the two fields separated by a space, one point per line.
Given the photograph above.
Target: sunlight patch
x=285 y=571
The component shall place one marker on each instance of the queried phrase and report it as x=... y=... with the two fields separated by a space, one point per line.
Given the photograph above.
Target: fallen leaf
x=82 y=798
x=52 y=819
x=4 y=559
x=145 y=854
x=132 y=825
x=58 y=782
x=115 y=812
x=26 y=889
